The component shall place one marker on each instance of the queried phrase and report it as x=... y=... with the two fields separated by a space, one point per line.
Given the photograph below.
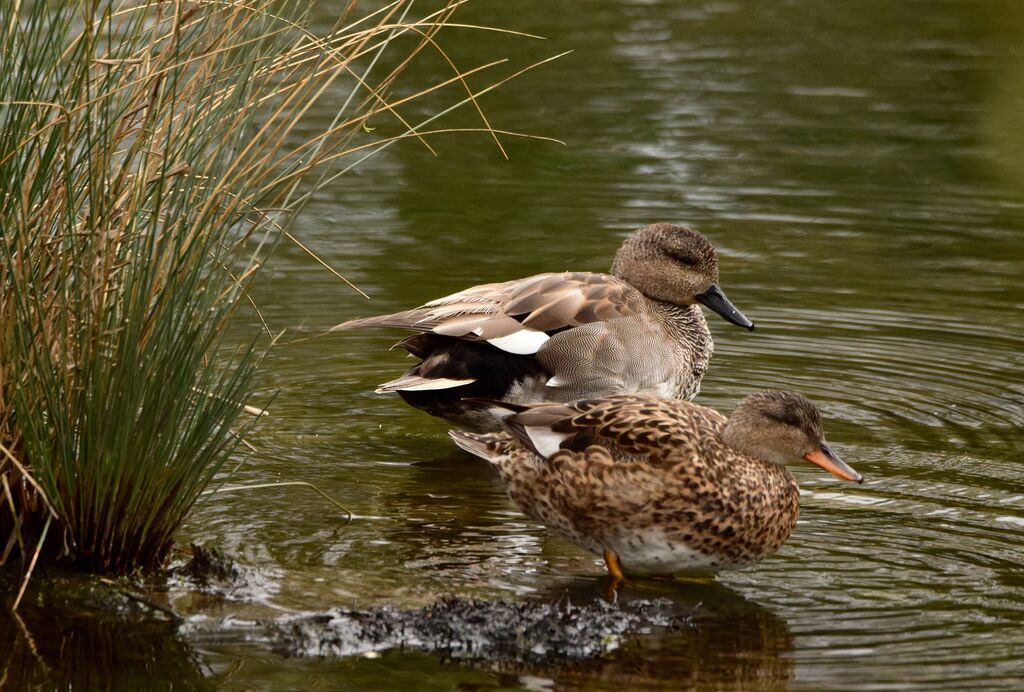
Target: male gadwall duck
x=559 y=337
x=659 y=486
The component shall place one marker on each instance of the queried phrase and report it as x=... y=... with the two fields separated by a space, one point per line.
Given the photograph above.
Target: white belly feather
x=651 y=552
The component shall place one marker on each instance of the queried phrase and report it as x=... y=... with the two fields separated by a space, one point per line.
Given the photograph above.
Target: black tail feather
x=494 y=372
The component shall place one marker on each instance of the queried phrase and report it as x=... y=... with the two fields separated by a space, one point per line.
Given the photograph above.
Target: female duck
x=658 y=486
x=559 y=337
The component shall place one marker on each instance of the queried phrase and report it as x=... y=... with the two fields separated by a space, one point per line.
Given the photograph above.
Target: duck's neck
x=735 y=435
x=685 y=322
x=742 y=432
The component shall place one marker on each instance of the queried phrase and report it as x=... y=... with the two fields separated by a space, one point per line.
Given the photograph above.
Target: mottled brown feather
x=635 y=469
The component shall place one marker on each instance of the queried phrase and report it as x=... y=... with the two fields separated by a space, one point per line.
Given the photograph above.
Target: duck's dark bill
x=830 y=461
x=715 y=300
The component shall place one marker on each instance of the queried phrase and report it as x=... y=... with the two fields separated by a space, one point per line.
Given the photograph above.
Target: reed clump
x=150 y=156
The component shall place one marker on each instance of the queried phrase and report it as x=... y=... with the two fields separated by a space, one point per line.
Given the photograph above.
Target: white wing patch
x=545 y=440
x=525 y=342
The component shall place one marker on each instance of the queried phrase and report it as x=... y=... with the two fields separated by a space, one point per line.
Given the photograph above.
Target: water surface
x=860 y=168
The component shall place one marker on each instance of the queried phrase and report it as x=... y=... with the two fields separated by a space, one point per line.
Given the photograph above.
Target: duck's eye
x=786 y=418
x=684 y=259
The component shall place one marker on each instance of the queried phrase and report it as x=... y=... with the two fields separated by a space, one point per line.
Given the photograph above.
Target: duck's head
x=780 y=426
x=676 y=265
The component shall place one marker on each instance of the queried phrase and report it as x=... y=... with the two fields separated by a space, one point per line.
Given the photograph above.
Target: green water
x=859 y=166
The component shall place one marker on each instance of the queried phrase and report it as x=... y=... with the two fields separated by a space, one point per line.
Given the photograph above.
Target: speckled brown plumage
x=559 y=337
x=661 y=483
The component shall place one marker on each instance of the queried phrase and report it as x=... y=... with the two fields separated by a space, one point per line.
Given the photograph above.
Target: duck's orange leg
x=614 y=564
x=615 y=578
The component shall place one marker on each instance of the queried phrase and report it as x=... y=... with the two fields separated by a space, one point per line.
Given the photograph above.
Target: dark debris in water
x=495 y=630
x=208 y=566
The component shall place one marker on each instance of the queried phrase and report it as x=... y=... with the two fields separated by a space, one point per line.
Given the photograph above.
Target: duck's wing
x=517 y=316
x=629 y=424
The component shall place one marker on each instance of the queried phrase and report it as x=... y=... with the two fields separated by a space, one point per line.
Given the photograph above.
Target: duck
x=559 y=337
x=659 y=486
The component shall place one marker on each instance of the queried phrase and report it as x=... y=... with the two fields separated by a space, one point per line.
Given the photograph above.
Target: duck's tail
x=487 y=446
x=453 y=370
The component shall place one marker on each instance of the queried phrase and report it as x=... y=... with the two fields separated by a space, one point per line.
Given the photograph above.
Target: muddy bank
x=467 y=629
x=546 y=630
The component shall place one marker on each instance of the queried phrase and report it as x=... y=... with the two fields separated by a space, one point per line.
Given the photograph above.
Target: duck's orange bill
x=830 y=461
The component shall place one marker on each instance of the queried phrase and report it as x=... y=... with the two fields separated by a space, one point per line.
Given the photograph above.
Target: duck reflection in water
x=730 y=643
